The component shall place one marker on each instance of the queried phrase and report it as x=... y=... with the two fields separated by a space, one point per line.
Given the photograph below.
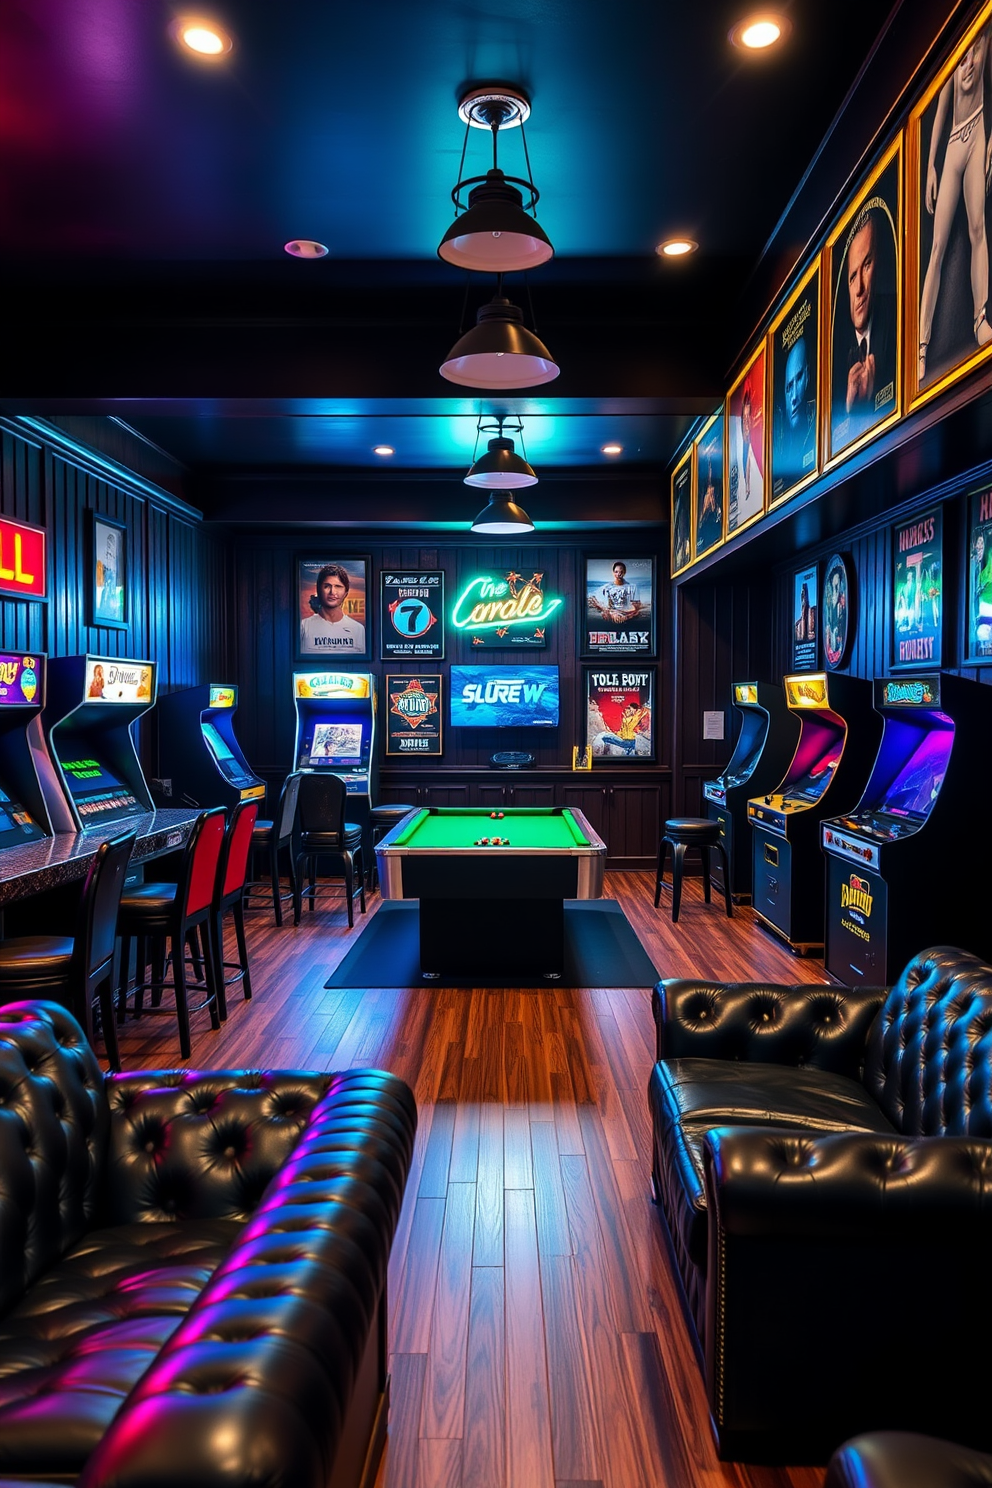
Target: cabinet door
x=591 y=800
x=399 y=795
x=532 y=795
x=634 y=824
x=445 y=795
x=492 y=796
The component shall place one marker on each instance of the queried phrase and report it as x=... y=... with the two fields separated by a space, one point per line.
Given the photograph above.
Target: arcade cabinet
x=198 y=751
x=907 y=867
x=24 y=758
x=765 y=745
x=335 y=730
x=838 y=738
x=93 y=703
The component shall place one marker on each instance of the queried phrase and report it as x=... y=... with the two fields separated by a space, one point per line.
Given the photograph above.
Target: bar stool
x=324 y=832
x=229 y=894
x=80 y=969
x=682 y=832
x=271 y=837
x=383 y=819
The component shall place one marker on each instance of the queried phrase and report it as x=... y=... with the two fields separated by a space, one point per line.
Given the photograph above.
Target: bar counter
x=56 y=861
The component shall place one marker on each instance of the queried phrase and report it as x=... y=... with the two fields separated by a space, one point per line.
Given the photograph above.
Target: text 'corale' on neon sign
x=489 y=603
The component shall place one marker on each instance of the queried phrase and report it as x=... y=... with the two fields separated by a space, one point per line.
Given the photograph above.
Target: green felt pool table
x=492 y=909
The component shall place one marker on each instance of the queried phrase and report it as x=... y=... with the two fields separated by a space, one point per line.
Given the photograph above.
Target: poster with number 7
x=411 y=615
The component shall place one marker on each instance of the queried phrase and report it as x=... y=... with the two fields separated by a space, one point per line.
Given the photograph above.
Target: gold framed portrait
x=710 y=485
x=747 y=454
x=794 y=342
x=682 y=513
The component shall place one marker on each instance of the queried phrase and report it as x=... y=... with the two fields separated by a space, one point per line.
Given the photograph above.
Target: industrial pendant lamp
x=496 y=232
x=502 y=518
x=499 y=351
x=500 y=468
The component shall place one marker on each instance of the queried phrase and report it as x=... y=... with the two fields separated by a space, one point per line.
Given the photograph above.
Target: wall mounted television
x=504 y=696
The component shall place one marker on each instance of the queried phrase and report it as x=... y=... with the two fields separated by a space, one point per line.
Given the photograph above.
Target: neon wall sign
x=505 y=610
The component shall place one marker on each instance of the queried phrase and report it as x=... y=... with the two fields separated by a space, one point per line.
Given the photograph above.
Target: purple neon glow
x=821 y=744
x=917 y=783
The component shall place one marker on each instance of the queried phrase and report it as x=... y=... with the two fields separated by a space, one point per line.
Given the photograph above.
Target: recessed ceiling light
x=205 y=38
x=306 y=248
x=612 y=449
x=384 y=449
x=756 y=33
x=676 y=247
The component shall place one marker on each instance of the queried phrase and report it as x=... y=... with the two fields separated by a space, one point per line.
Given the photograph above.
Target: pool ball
x=492 y=815
x=501 y=816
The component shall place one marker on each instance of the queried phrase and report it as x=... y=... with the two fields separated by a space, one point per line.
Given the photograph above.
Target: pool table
x=485 y=910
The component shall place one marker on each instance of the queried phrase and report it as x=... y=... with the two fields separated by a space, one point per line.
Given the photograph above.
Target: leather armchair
x=192 y=1267
x=904 y=1459
x=823 y=1163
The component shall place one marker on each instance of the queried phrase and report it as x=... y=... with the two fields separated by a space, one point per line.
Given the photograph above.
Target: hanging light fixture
x=499 y=351
x=496 y=232
x=500 y=468
x=502 y=518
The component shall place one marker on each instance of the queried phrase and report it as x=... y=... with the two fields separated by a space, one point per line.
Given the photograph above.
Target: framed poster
x=917 y=592
x=794 y=372
x=805 y=620
x=746 y=446
x=978 y=638
x=620 y=714
x=709 y=486
x=23 y=560
x=682 y=514
x=413 y=714
x=949 y=218
x=618 y=615
x=864 y=273
x=411 y=615
x=333 y=618
x=108 y=572
x=838 y=611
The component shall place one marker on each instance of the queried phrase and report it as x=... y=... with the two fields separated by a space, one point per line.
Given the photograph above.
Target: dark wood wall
x=175 y=573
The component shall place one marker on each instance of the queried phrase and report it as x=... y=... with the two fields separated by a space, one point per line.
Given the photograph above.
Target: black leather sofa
x=192 y=1268
x=823 y=1162
x=904 y=1459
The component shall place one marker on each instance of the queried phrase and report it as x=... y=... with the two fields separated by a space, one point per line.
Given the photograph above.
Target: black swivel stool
x=383 y=819
x=682 y=832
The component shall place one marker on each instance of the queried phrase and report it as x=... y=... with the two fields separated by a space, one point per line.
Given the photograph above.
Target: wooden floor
x=536 y=1332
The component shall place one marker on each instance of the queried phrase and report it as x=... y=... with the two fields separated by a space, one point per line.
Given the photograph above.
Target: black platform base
x=601 y=950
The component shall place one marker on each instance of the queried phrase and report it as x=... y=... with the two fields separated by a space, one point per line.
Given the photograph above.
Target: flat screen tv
x=504 y=696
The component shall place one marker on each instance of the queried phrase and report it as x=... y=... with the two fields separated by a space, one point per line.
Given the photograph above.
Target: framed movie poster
x=746 y=446
x=950 y=218
x=682 y=515
x=411 y=615
x=413 y=714
x=618 y=615
x=709 y=486
x=917 y=585
x=620 y=713
x=794 y=349
x=838 y=611
x=108 y=573
x=805 y=620
x=864 y=274
x=333 y=616
x=978 y=641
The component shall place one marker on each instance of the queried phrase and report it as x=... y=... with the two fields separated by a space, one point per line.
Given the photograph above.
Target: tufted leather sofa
x=823 y=1162
x=904 y=1459
x=192 y=1268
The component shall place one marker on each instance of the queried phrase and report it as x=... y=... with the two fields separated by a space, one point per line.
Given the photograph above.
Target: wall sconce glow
x=491 y=603
x=612 y=449
x=205 y=38
x=306 y=248
x=758 y=32
x=383 y=449
x=676 y=247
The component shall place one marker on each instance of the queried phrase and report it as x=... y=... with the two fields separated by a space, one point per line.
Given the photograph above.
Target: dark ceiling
x=145 y=199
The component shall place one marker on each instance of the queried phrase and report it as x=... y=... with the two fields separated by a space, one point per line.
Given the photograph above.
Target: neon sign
x=505 y=607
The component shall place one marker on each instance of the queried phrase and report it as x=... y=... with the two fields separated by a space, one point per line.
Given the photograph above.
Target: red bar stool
x=271 y=837
x=229 y=895
x=81 y=969
x=166 y=914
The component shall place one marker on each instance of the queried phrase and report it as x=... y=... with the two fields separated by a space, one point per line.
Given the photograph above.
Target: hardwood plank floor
x=536 y=1326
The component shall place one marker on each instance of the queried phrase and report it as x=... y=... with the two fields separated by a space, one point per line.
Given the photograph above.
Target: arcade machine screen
x=917 y=784
x=228 y=765
x=14 y=819
x=754 y=729
x=97 y=792
x=820 y=748
x=336 y=746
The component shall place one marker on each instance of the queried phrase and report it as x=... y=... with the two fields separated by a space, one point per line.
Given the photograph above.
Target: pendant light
x=499 y=351
x=502 y=518
x=500 y=468
x=496 y=232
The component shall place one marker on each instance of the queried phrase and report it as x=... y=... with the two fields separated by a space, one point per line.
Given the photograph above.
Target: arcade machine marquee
x=93 y=702
x=899 y=872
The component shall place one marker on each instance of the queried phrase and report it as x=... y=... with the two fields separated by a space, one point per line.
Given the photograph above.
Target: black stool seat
x=35 y=955
x=142 y=903
x=381 y=816
x=331 y=841
x=261 y=833
x=692 y=829
x=681 y=833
